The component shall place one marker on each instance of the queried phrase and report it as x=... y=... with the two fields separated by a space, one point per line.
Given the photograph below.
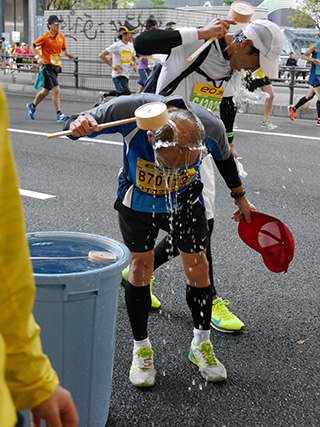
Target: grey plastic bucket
x=76 y=308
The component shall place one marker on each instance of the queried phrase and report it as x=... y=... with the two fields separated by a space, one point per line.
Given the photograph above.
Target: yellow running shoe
x=209 y=366
x=155 y=303
x=222 y=319
x=142 y=372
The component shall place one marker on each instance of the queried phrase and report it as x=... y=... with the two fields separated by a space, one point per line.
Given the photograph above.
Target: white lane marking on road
x=278 y=134
x=93 y=140
x=35 y=194
x=101 y=141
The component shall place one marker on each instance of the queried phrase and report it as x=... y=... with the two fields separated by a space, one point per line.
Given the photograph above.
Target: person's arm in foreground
x=30 y=381
x=162 y=41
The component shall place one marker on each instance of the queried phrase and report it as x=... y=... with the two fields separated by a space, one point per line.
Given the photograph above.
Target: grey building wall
x=89 y=32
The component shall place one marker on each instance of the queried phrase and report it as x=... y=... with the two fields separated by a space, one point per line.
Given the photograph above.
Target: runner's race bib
x=150 y=179
x=125 y=56
x=151 y=61
x=55 y=59
x=209 y=96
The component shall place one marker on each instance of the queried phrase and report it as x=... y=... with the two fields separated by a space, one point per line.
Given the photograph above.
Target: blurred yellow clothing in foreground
x=26 y=375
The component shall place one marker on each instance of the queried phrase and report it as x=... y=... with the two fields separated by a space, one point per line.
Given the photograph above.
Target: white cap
x=267 y=37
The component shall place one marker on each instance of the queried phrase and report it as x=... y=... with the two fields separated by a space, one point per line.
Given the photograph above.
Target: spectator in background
x=26 y=49
x=146 y=62
x=5 y=44
x=18 y=53
x=302 y=63
x=120 y=56
x=27 y=380
x=291 y=61
x=2 y=53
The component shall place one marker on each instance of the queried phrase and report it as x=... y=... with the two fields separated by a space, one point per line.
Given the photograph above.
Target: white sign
x=15 y=35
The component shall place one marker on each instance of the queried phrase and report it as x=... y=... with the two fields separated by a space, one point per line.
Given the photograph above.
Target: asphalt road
x=273 y=366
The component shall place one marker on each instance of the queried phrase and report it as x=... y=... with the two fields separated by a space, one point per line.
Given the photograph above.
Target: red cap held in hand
x=271 y=237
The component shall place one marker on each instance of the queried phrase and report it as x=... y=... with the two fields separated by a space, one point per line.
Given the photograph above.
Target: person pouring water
x=159 y=189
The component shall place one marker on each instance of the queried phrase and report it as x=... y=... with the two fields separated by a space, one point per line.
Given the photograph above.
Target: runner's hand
x=245 y=209
x=216 y=28
x=84 y=125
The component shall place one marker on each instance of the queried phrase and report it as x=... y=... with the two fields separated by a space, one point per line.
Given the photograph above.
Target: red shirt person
x=18 y=52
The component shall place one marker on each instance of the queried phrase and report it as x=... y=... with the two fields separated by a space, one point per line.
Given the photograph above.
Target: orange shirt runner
x=51 y=47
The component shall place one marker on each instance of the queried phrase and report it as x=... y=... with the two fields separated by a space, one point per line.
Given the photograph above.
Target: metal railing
x=78 y=74
x=290 y=79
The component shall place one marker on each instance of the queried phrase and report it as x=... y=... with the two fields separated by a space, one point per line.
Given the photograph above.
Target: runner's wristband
x=237 y=195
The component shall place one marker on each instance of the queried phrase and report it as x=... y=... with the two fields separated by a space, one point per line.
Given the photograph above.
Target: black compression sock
x=138 y=302
x=301 y=102
x=318 y=109
x=199 y=301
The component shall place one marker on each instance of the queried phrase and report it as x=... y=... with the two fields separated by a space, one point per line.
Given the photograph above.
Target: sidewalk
x=22 y=84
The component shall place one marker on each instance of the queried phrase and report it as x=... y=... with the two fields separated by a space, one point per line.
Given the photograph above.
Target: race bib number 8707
x=153 y=180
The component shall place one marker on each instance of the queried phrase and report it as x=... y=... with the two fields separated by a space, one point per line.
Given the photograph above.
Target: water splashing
x=241 y=95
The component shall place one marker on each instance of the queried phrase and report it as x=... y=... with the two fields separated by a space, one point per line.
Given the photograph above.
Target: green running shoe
x=222 y=319
x=209 y=366
x=142 y=372
x=155 y=303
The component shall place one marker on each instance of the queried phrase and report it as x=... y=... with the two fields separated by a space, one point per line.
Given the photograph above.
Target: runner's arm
x=67 y=54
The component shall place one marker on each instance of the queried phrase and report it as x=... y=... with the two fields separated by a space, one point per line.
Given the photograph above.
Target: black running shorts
x=253 y=84
x=188 y=227
x=51 y=76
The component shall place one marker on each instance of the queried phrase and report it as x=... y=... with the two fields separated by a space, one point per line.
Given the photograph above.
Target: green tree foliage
x=56 y=4
x=227 y=2
x=85 y=4
x=306 y=15
x=157 y=4
x=125 y=4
